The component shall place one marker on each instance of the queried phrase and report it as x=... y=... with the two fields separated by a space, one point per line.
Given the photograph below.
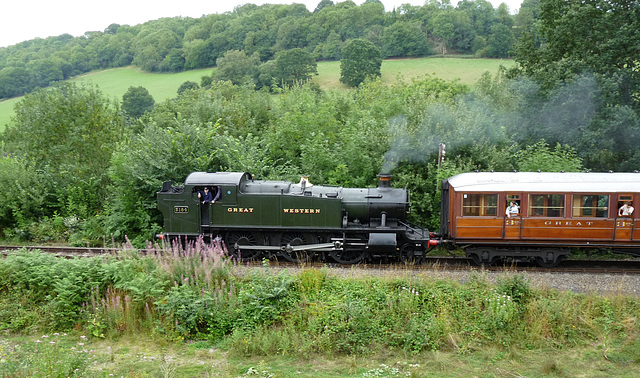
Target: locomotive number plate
x=181 y=209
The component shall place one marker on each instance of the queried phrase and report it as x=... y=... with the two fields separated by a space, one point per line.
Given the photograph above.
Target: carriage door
x=625 y=218
x=512 y=216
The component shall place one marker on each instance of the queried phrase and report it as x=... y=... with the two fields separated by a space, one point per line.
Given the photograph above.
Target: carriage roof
x=545 y=182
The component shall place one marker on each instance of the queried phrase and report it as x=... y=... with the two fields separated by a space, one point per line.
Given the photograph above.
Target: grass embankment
x=115 y=82
x=193 y=313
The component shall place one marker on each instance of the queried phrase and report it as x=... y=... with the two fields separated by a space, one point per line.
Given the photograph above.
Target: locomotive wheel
x=293 y=239
x=408 y=256
x=235 y=241
x=348 y=256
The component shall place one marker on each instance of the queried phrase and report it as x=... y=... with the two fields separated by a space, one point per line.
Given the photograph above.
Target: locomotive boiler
x=296 y=221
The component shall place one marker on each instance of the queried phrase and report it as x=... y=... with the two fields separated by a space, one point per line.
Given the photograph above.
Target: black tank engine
x=297 y=221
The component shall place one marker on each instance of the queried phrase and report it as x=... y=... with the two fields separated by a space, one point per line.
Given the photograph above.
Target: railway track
x=62 y=251
x=628 y=267
x=623 y=267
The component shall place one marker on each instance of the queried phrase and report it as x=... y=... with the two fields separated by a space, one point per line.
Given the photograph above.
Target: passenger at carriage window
x=625 y=210
x=513 y=210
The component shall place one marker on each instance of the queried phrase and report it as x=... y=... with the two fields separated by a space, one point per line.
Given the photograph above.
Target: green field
x=468 y=71
x=115 y=82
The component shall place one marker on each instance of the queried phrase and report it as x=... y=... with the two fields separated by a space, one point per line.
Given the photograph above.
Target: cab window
x=479 y=205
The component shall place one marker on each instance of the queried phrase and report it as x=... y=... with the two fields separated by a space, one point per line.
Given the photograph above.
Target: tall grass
x=195 y=292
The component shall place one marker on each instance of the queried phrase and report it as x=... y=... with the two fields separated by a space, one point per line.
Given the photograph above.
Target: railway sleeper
x=544 y=257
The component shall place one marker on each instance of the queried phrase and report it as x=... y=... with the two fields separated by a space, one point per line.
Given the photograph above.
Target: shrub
x=266 y=297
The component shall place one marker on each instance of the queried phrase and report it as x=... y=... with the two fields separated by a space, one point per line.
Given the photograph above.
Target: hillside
x=162 y=86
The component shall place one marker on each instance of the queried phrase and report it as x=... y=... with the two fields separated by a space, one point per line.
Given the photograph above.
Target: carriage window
x=479 y=205
x=546 y=205
x=625 y=205
x=591 y=206
x=512 y=208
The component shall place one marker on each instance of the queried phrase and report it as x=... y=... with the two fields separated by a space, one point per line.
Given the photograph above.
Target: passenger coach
x=555 y=212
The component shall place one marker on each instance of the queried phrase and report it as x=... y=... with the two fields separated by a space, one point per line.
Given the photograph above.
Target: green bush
x=265 y=297
x=200 y=314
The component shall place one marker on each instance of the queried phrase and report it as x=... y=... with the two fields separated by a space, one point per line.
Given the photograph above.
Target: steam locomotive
x=296 y=221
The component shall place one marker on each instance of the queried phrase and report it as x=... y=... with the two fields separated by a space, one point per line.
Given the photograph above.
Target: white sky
x=23 y=20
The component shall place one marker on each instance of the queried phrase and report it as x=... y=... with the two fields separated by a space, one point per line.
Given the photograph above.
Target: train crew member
x=216 y=193
x=626 y=210
x=512 y=210
x=205 y=196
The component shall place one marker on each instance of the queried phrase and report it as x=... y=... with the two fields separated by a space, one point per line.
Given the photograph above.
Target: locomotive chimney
x=384 y=180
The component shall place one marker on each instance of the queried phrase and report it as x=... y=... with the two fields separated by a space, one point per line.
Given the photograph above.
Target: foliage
x=294 y=66
x=578 y=37
x=404 y=39
x=183 y=43
x=187 y=86
x=61 y=286
x=64 y=137
x=22 y=198
x=361 y=59
x=237 y=67
x=56 y=355
x=540 y=157
x=136 y=101
x=263 y=312
x=265 y=298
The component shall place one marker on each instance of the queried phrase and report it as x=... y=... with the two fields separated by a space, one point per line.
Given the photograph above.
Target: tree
x=332 y=47
x=43 y=72
x=68 y=133
x=577 y=36
x=443 y=29
x=292 y=34
x=22 y=188
x=197 y=54
x=136 y=101
x=187 y=86
x=500 y=41
x=361 y=59
x=294 y=66
x=540 y=157
x=14 y=81
x=404 y=39
x=323 y=4
x=237 y=67
x=152 y=48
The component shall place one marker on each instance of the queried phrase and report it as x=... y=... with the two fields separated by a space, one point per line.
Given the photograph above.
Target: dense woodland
x=77 y=167
x=177 y=44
